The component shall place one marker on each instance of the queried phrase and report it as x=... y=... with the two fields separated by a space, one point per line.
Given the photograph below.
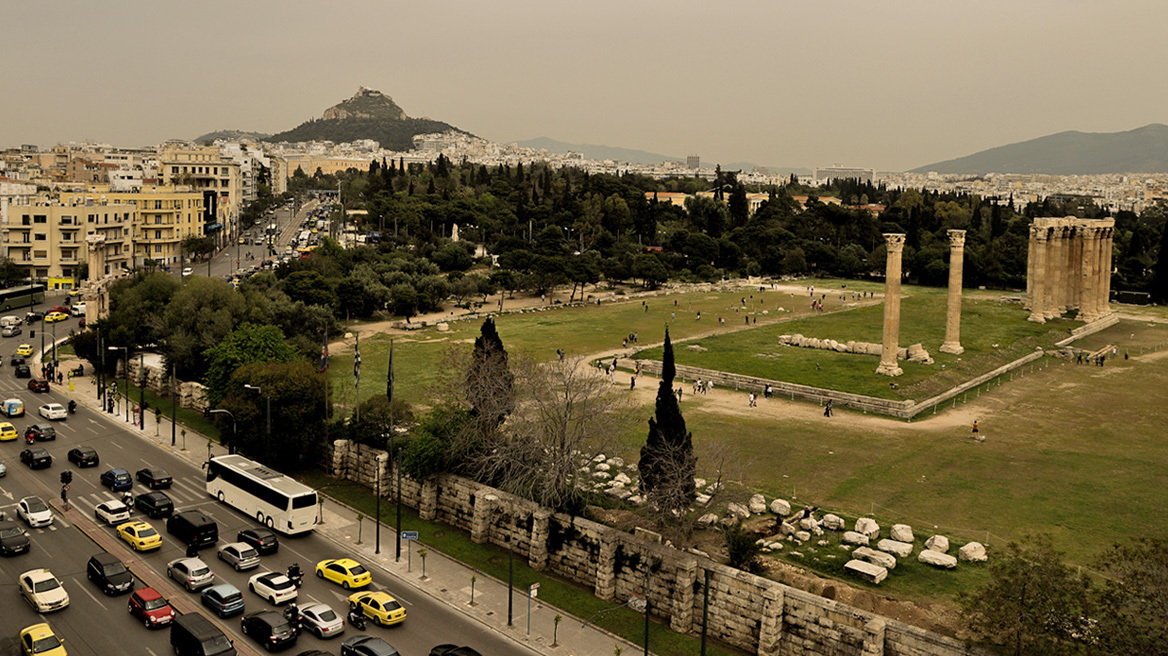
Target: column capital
x=1041 y=233
x=895 y=241
x=957 y=238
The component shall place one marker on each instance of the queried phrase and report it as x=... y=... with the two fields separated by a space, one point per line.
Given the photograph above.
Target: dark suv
x=109 y=573
x=22 y=371
x=154 y=504
x=41 y=432
x=269 y=628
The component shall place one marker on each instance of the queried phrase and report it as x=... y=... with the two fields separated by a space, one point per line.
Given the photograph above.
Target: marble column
x=1030 y=258
x=1053 y=242
x=1087 y=291
x=1038 y=303
x=891 y=343
x=1105 y=281
x=1075 y=281
x=953 y=317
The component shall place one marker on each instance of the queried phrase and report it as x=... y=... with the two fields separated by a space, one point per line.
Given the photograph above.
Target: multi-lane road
x=100 y=625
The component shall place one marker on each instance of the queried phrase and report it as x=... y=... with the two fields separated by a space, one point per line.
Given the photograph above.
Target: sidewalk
x=446 y=579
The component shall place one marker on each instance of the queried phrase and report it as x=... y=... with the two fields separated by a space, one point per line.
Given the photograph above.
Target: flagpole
x=357 y=378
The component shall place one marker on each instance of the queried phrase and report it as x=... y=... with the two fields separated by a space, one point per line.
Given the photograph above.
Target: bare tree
x=564 y=412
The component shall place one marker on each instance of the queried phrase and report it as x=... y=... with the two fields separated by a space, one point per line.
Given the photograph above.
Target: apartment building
x=164 y=216
x=46 y=237
x=205 y=169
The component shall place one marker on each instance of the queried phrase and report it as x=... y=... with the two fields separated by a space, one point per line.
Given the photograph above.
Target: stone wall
x=157 y=380
x=1089 y=329
x=746 y=611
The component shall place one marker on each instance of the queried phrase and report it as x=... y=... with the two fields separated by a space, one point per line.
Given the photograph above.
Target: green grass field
x=1075 y=451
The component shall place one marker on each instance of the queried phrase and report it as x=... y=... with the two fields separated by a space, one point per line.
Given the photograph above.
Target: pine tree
x=490 y=385
x=667 y=463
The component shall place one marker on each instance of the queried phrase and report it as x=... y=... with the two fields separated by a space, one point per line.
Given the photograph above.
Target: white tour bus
x=277 y=501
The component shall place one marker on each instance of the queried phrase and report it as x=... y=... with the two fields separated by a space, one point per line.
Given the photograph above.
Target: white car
x=188 y=271
x=112 y=512
x=321 y=620
x=53 y=411
x=193 y=573
x=43 y=590
x=274 y=587
x=34 y=512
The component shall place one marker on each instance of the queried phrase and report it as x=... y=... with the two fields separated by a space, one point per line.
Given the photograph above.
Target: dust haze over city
x=886 y=85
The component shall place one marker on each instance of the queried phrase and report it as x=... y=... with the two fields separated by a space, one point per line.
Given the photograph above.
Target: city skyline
x=890 y=86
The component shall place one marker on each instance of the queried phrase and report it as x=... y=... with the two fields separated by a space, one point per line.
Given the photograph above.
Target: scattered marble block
x=895 y=547
x=937 y=559
x=885 y=560
x=902 y=533
x=780 y=507
x=938 y=543
x=852 y=537
x=757 y=504
x=738 y=510
x=707 y=520
x=972 y=552
x=867 y=571
x=868 y=526
x=802 y=536
x=832 y=522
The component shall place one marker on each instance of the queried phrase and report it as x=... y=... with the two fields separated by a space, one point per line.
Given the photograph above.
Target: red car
x=150 y=607
x=38 y=384
x=61 y=308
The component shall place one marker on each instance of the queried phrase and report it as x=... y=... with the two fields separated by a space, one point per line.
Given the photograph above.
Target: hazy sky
x=890 y=84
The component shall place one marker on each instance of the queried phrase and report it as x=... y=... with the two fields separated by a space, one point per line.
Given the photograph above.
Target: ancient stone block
x=866 y=571
x=852 y=537
x=738 y=510
x=937 y=559
x=780 y=507
x=757 y=504
x=972 y=552
x=832 y=522
x=902 y=533
x=902 y=549
x=875 y=557
x=937 y=543
x=868 y=526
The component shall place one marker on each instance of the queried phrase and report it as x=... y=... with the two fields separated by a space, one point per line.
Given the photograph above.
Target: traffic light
x=66 y=477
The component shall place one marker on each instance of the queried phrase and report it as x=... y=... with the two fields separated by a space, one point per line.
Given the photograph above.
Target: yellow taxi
x=8 y=432
x=345 y=571
x=39 y=639
x=379 y=607
x=140 y=536
x=24 y=349
x=55 y=316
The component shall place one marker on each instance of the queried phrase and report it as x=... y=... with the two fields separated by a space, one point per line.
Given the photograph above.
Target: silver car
x=321 y=620
x=239 y=555
x=193 y=573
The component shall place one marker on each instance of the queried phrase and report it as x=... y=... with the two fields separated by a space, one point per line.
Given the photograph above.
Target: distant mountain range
x=632 y=156
x=1143 y=150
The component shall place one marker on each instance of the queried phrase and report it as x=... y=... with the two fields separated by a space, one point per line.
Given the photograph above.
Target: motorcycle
x=296 y=576
x=72 y=407
x=28 y=438
x=356 y=618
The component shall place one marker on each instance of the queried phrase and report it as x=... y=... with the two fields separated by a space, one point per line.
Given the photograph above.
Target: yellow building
x=165 y=215
x=204 y=168
x=47 y=238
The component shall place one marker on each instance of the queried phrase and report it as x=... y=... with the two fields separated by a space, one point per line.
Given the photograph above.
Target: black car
x=453 y=650
x=32 y=316
x=13 y=539
x=38 y=385
x=363 y=645
x=83 y=456
x=154 y=478
x=16 y=359
x=263 y=540
x=36 y=458
x=154 y=504
x=269 y=628
x=109 y=573
x=22 y=371
x=41 y=432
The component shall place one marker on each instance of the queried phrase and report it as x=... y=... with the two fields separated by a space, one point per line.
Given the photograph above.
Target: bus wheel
x=270 y=523
x=260 y=517
x=221 y=497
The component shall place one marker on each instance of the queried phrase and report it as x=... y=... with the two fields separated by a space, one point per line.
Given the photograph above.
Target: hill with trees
x=369 y=114
x=1143 y=150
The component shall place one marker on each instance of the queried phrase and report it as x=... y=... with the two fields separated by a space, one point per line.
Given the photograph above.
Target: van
x=193 y=527
x=192 y=634
x=9 y=320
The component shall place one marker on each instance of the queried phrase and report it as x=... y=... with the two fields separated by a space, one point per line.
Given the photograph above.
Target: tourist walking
x=827 y=409
x=753 y=398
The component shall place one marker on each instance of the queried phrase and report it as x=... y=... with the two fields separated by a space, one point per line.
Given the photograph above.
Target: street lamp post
x=268 y=432
x=231 y=446
x=141 y=390
x=127 y=359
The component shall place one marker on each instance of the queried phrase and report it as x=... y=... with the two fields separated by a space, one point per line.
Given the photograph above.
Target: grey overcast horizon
x=890 y=85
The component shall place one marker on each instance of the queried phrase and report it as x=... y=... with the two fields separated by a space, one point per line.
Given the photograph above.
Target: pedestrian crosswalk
x=184 y=493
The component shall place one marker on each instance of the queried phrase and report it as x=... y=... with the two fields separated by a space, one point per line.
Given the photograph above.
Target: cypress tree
x=489 y=381
x=1160 y=278
x=667 y=462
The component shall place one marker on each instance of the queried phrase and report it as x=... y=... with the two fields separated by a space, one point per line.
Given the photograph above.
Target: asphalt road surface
x=99 y=625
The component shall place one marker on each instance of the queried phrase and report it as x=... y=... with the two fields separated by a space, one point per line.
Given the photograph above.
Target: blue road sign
x=409 y=535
